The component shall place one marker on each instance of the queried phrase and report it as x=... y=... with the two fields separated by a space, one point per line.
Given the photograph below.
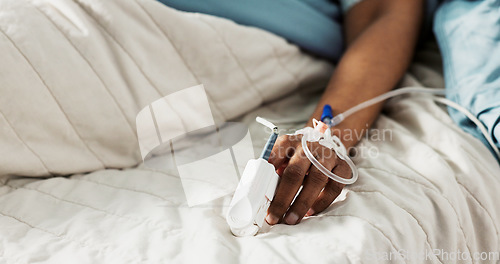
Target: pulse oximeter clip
x=255 y=191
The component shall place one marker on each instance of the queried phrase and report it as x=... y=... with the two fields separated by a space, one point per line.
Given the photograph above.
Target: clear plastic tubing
x=324 y=170
x=340 y=117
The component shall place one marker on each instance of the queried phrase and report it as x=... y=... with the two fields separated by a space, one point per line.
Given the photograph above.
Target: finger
x=332 y=189
x=342 y=169
x=282 y=169
x=282 y=150
x=288 y=186
x=313 y=184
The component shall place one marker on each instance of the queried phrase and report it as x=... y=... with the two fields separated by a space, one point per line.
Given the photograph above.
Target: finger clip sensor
x=255 y=191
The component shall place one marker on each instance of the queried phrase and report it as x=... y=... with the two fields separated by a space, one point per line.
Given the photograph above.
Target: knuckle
x=318 y=179
x=290 y=150
x=302 y=206
x=291 y=179
x=295 y=169
x=335 y=189
x=344 y=169
x=295 y=138
x=332 y=156
x=327 y=155
x=277 y=207
x=293 y=173
x=282 y=139
x=322 y=159
x=324 y=203
x=286 y=140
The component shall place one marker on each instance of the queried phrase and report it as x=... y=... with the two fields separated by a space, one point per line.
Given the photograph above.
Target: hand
x=295 y=169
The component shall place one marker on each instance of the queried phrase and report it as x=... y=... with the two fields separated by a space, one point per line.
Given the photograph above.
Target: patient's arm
x=381 y=36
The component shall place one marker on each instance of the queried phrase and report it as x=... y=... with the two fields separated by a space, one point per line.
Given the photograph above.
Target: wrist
x=348 y=135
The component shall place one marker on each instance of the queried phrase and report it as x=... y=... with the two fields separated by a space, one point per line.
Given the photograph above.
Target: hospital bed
x=73 y=188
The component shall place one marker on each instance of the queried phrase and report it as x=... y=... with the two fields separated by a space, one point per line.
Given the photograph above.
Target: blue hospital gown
x=467 y=31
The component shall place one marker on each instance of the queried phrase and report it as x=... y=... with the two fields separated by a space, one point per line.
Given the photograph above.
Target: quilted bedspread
x=74 y=74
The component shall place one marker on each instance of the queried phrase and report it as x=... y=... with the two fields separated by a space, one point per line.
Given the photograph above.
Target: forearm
x=381 y=36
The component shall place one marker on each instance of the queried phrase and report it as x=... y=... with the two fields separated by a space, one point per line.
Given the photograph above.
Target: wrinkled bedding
x=76 y=73
x=426 y=186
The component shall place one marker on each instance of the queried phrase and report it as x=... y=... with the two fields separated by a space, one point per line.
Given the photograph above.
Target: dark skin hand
x=381 y=36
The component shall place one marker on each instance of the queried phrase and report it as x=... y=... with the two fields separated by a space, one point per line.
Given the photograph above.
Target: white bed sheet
x=431 y=186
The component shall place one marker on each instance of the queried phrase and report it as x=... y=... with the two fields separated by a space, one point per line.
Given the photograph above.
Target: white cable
x=266 y=123
x=474 y=119
x=340 y=117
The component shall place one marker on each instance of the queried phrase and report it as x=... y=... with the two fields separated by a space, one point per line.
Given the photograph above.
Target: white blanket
x=429 y=189
x=74 y=75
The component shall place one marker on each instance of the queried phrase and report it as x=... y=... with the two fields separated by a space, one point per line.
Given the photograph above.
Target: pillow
x=74 y=75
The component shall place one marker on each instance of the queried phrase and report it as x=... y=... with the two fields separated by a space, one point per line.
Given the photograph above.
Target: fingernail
x=271 y=219
x=310 y=212
x=291 y=219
